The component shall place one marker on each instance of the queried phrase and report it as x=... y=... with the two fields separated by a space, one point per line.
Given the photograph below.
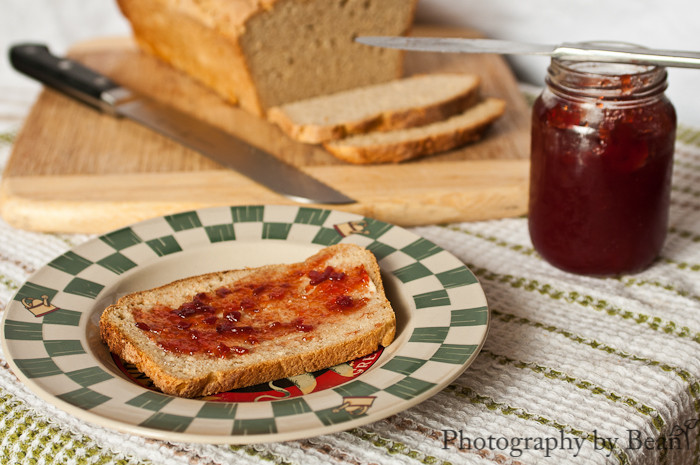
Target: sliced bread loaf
x=263 y=53
x=225 y=330
x=407 y=144
x=402 y=103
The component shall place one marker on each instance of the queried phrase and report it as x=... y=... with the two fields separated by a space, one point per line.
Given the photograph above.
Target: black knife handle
x=62 y=74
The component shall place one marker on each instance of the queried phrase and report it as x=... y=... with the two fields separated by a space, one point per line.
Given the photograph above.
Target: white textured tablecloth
x=568 y=362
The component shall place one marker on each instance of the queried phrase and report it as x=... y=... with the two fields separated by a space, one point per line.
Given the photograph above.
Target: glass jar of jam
x=601 y=160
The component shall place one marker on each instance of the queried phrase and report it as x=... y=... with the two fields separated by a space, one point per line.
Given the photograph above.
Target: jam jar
x=601 y=160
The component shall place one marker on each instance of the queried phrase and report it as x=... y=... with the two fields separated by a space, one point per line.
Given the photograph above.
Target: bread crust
x=412 y=147
x=146 y=355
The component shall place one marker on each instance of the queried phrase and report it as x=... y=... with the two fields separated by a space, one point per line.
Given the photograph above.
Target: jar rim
x=606 y=79
x=607 y=69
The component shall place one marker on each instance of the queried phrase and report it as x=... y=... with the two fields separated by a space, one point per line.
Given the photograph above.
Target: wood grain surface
x=74 y=169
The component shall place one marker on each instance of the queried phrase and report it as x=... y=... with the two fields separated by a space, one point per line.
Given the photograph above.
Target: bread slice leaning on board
x=225 y=330
x=393 y=122
x=401 y=103
x=408 y=144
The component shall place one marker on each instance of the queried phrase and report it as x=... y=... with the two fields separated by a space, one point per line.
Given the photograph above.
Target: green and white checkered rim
x=51 y=338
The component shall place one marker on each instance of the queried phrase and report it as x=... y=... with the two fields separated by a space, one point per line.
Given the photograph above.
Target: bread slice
x=407 y=144
x=402 y=103
x=274 y=322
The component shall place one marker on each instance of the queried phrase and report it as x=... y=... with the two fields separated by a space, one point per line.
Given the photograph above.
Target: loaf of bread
x=407 y=144
x=264 y=53
x=398 y=104
x=225 y=330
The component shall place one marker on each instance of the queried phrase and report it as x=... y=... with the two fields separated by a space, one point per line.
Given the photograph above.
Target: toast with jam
x=225 y=330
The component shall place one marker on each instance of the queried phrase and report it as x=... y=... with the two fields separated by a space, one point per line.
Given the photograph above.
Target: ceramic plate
x=51 y=338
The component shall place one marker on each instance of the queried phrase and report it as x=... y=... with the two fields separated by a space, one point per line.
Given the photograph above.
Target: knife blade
x=614 y=52
x=100 y=92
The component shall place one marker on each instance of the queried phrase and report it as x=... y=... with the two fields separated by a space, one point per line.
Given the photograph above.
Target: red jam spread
x=601 y=173
x=232 y=320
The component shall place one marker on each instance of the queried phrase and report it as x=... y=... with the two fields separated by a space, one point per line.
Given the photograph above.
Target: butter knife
x=98 y=91
x=613 y=52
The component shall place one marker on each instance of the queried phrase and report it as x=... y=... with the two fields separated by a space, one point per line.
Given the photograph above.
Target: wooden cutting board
x=73 y=169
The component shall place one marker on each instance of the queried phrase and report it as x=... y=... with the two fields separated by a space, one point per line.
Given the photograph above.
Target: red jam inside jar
x=601 y=161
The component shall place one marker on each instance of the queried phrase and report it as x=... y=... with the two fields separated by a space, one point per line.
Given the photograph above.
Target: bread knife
x=92 y=88
x=612 y=52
